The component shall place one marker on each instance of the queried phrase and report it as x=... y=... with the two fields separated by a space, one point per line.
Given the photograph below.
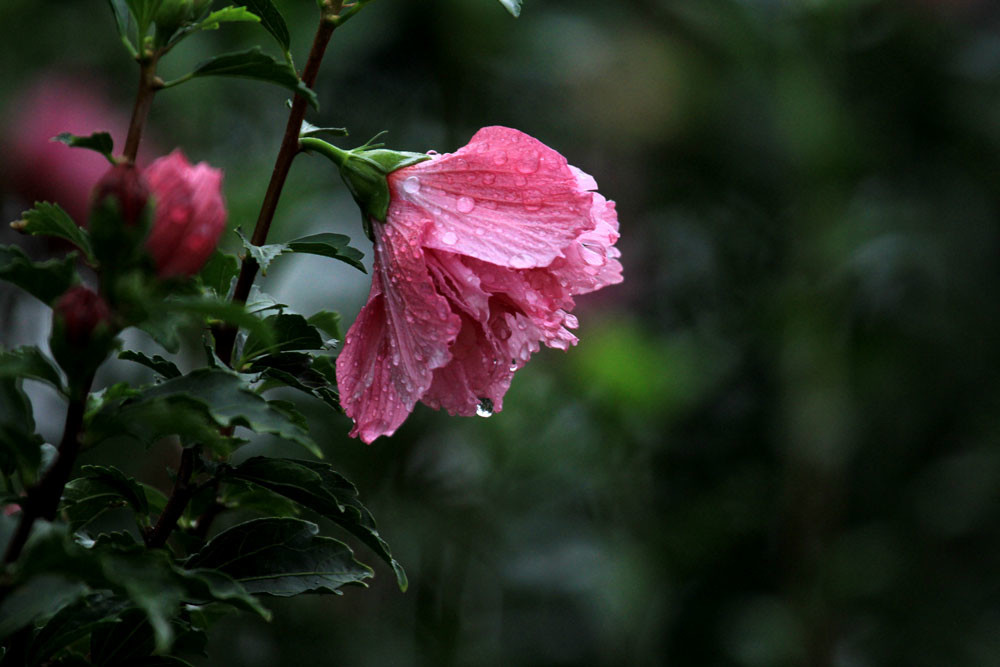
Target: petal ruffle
x=591 y=261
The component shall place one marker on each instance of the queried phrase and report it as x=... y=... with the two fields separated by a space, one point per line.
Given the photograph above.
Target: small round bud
x=79 y=312
x=126 y=186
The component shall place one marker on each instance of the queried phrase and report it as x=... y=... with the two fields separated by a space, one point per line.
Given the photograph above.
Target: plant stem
x=42 y=500
x=148 y=85
x=226 y=337
x=177 y=502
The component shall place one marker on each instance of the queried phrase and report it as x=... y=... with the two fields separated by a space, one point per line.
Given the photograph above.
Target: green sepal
x=364 y=170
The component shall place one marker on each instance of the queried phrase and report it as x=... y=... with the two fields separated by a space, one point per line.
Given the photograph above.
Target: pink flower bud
x=126 y=185
x=190 y=214
x=81 y=310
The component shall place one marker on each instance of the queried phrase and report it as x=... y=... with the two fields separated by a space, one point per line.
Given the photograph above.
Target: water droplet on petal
x=522 y=261
x=489 y=178
x=465 y=204
x=461 y=163
x=485 y=407
x=513 y=365
x=499 y=158
x=532 y=200
x=528 y=164
x=592 y=257
x=503 y=331
x=412 y=185
x=450 y=238
x=520 y=180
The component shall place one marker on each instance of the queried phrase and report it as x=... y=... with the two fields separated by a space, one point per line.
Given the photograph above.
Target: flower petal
x=505 y=198
x=401 y=335
x=478 y=370
x=591 y=261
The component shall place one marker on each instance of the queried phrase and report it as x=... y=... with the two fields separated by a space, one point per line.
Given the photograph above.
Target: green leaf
x=219 y=272
x=98 y=141
x=272 y=21
x=151 y=419
x=325 y=244
x=317 y=486
x=229 y=14
x=100 y=489
x=295 y=370
x=47 y=219
x=329 y=322
x=329 y=245
x=37 y=596
x=281 y=557
x=254 y=64
x=230 y=402
x=236 y=494
x=234 y=313
x=158 y=587
x=512 y=6
x=74 y=622
x=291 y=332
x=28 y=362
x=20 y=446
x=46 y=281
x=263 y=254
x=131 y=638
x=163 y=367
x=143 y=11
x=121 y=22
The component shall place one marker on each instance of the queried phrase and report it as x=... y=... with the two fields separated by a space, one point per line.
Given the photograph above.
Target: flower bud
x=78 y=313
x=124 y=185
x=190 y=214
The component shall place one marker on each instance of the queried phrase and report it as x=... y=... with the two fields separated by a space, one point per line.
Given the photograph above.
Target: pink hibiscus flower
x=476 y=266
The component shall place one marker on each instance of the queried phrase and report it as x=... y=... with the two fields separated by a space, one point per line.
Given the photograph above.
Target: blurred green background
x=777 y=441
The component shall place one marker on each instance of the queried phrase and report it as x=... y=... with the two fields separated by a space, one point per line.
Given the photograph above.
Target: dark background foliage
x=776 y=443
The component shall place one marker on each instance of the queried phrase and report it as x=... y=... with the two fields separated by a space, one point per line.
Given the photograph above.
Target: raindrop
x=532 y=200
x=592 y=257
x=465 y=204
x=461 y=164
x=499 y=158
x=489 y=178
x=485 y=407
x=503 y=331
x=513 y=365
x=412 y=185
x=528 y=164
x=520 y=180
x=450 y=238
x=522 y=261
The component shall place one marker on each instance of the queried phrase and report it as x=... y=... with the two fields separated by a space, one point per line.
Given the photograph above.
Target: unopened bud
x=190 y=214
x=124 y=185
x=79 y=312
